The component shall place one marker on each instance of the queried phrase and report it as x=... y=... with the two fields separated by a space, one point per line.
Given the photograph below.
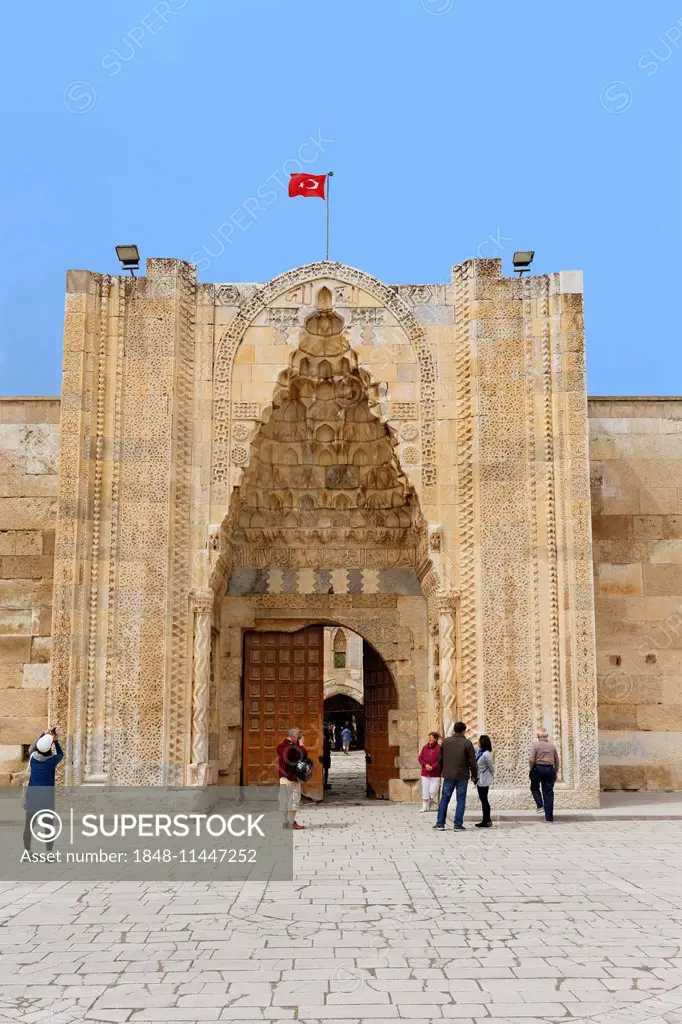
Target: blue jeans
x=449 y=787
x=542 y=788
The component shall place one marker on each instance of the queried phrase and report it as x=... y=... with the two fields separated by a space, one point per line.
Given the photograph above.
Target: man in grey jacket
x=457 y=765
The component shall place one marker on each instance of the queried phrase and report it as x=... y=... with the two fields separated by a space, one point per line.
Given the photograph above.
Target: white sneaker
x=425 y=807
x=539 y=810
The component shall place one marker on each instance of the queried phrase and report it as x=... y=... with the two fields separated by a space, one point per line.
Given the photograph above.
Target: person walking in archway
x=457 y=765
x=543 y=759
x=346 y=737
x=429 y=759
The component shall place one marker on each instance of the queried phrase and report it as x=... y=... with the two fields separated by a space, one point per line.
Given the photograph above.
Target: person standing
x=429 y=759
x=457 y=765
x=326 y=758
x=543 y=759
x=486 y=773
x=346 y=737
x=289 y=753
x=39 y=796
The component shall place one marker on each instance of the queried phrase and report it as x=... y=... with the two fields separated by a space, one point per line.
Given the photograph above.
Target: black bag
x=303 y=769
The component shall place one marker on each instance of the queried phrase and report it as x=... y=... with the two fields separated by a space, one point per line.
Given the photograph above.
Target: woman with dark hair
x=486 y=773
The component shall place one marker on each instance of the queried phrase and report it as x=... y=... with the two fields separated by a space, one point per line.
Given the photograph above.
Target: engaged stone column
x=447 y=630
x=202 y=601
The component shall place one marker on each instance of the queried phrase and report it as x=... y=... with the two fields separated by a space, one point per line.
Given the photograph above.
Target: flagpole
x=330 y=175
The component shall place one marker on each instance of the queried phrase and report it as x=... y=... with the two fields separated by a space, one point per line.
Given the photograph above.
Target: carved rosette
x=447 y=636
x=202 y=602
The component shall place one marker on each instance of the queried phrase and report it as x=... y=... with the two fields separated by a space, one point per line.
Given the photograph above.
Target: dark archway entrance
x=340 y=709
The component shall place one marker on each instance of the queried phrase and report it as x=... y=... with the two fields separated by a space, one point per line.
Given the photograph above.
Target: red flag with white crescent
x=307 y=185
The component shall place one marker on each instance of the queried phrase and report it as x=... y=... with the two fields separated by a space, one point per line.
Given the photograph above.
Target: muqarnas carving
x=323 y=470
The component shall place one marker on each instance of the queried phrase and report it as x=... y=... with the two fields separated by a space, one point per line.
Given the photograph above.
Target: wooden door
x=283 y=687
x=380 y=698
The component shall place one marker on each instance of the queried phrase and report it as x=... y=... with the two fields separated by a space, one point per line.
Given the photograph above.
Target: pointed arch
x=254 y=304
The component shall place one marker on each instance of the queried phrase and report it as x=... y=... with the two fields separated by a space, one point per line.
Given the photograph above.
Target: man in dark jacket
x=40 y=790
x=457 y=765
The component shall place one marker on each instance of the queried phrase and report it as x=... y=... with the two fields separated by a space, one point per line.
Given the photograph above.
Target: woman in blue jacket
x=40 y=791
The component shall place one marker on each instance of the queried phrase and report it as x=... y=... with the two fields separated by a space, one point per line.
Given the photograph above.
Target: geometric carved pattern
x=468 y=684
x=93 y=739
x=227 y=295
x=511 y=667
x=552 y=555
x=110 y=668
x=535 y=700
x=245 y=581
x=179 y=541
x=240 y=455
x=252 y=306
x=240 y=431
x=410 y=432
x=370 y=316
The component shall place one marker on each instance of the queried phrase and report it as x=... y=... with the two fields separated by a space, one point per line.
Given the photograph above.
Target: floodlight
x=129 y=257
x=522 y=261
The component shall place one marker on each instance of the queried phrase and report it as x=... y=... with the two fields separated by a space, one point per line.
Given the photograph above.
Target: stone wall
x=635 y=453
x=464 y=403
x=346 y=680
x=29 y=430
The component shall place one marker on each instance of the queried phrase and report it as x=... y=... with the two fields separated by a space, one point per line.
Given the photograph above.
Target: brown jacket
x=458 y=758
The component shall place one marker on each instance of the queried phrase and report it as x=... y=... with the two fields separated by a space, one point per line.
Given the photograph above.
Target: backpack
x=303 y=769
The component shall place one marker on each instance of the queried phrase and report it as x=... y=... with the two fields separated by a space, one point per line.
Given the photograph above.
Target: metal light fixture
x=522 y=261
x=129 y=257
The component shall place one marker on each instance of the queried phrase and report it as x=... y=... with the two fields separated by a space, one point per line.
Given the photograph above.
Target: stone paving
x=347 y=777
x=386 y=919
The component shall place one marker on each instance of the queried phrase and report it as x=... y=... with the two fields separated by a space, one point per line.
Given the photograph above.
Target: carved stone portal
x=333 y=446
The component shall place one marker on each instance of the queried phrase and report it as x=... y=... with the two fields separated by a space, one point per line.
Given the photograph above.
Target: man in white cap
x=40 y=791
x=289 y=753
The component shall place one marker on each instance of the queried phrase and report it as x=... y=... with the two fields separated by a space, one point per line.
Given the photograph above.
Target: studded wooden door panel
x=380 y=698
x=283 y=687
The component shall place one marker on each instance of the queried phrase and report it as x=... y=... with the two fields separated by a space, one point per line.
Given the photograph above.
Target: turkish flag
x=307 y=185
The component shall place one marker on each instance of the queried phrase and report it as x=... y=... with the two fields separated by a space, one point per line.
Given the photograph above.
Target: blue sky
x=454 y=129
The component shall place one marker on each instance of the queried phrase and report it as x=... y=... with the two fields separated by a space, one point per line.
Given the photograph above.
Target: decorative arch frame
x=251 y=306
x=342 y=640
x=334 y=689
x=246 y=312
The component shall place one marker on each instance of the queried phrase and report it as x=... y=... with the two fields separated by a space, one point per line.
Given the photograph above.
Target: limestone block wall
x=636 y=458
x=29 y=431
